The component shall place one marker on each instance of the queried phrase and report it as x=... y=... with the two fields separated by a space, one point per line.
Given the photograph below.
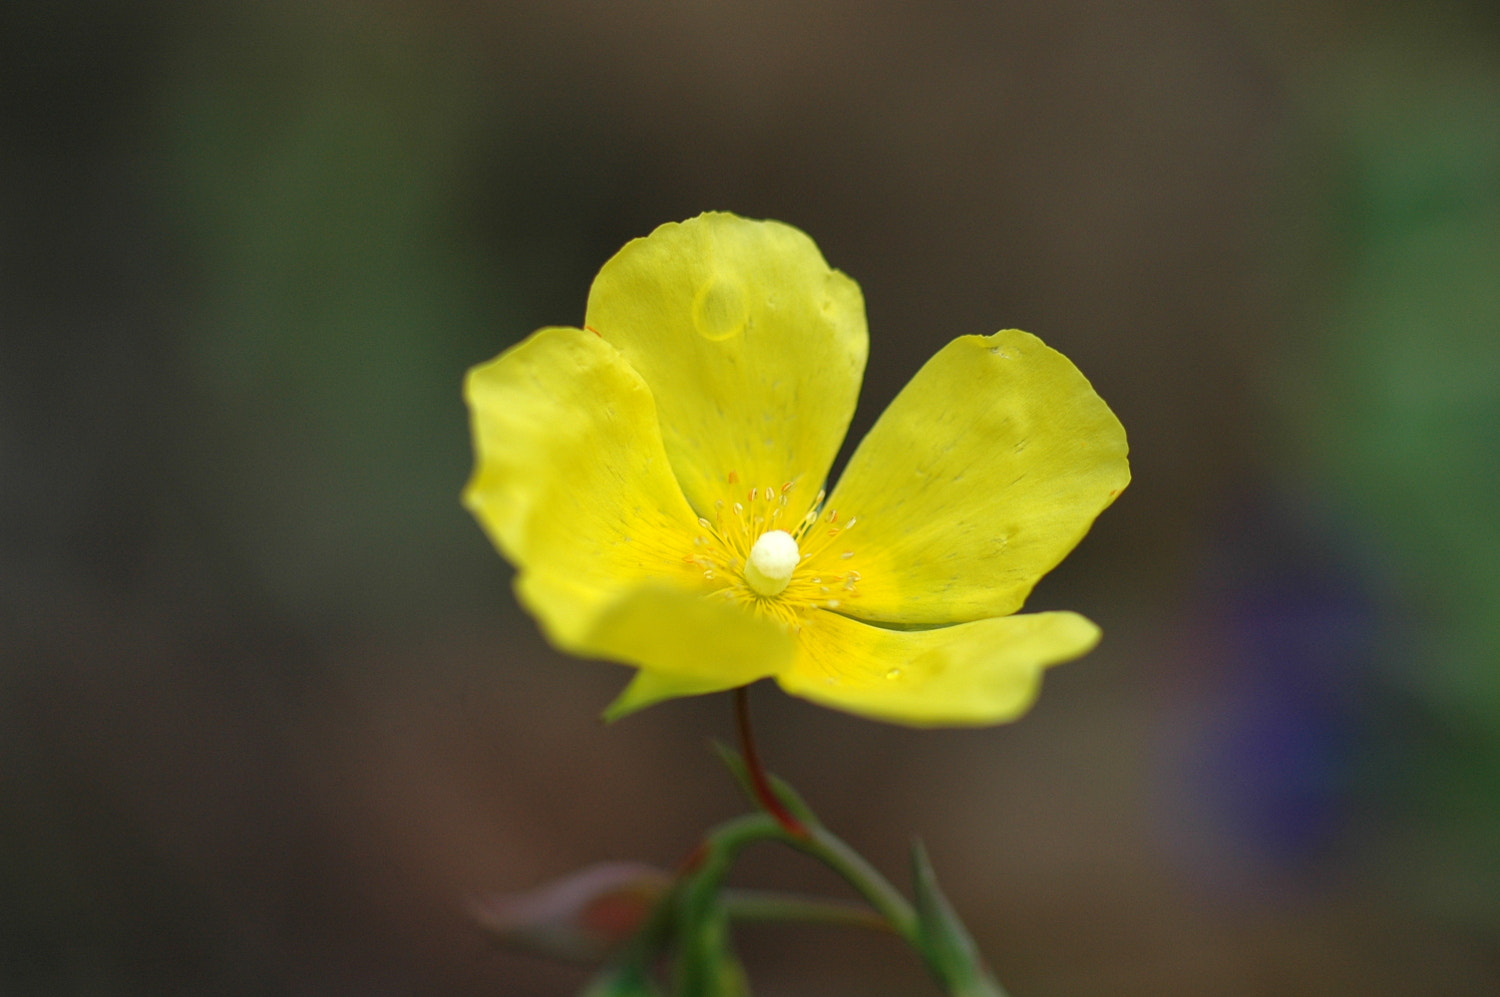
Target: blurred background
x=269 y=716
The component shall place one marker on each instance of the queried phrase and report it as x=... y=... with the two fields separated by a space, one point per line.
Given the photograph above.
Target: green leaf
x=950 y=950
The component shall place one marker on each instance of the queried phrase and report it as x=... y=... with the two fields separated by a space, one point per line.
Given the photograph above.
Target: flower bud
x=581 y=916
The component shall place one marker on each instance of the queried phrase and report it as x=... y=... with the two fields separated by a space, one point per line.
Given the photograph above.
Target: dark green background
x=269 y=714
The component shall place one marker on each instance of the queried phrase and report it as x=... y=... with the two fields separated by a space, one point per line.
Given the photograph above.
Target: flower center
x=772 y=560
x=747 y=557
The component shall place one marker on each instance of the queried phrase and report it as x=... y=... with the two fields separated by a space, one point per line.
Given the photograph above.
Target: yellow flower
x=657 y=479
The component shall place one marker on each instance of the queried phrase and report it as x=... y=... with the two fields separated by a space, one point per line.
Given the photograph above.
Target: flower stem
x=761 y=905
x=723 y=844
x=692 y=918
x=827 y=848
x=759 y=784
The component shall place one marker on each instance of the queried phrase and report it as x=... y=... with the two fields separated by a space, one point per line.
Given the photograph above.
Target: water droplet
x=894 y=673
x=720 y=309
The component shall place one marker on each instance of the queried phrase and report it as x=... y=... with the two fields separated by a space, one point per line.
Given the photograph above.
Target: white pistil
x=771 y=562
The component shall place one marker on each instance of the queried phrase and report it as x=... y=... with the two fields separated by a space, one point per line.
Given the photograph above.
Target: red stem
x=759 y=784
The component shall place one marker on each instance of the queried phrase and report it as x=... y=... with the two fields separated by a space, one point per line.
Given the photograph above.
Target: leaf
x=950 y=950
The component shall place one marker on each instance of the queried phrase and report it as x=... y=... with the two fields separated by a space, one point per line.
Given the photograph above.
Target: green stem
x=693 y=917
x=722 y=845
x=934 y=932
x=824 y=846
x=699 y=887
x=765 y=905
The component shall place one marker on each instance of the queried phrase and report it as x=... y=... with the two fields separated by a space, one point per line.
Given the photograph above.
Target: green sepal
x=950 y=950
x=788 y=796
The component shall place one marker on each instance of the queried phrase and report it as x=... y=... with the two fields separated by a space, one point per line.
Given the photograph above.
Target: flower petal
x=970 y=674
x=983 y=473
x=752 y=347
x=686 y=645
x=571 y=481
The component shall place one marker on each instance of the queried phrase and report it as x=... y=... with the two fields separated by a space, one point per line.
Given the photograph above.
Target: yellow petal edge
x=751 y=344
x=720 y=354
x=986 y=470
x=572 y=485
x=970 y=674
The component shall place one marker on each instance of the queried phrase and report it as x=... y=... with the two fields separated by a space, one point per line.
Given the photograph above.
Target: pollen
x=772 y=560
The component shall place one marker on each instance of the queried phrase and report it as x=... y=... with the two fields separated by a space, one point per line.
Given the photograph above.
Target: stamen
x=751 y=563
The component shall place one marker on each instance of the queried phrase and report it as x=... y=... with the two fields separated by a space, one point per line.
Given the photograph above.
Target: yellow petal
x=752 y=346
x=984 y=472
x=571 y=482
x=970 y=674
x=686 y=644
